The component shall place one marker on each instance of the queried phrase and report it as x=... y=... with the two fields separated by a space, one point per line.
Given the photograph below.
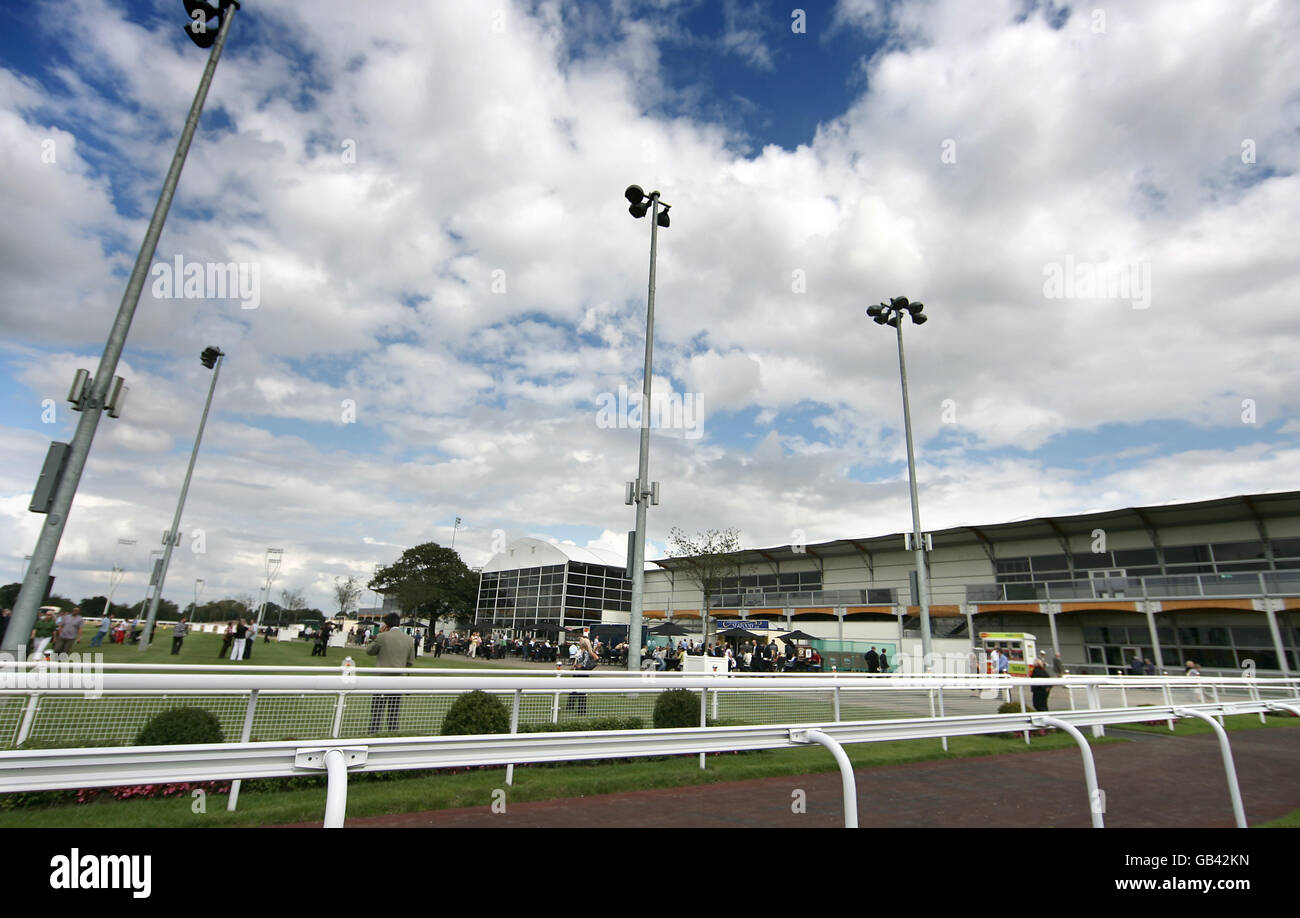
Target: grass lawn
x=1191 y=726
x=475 y=787
x=1290 y=821
x=202 y=649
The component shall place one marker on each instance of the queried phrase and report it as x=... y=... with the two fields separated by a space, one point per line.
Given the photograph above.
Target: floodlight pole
x=642 y=490
x=47 y=545
x=918 y=540
x=273 y=559
x=173 y=534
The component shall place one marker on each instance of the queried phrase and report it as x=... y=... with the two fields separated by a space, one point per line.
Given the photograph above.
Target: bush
x=1011 y=707
x=677 y=708
x=180 y=727
x=599 y=723
x=474 y=713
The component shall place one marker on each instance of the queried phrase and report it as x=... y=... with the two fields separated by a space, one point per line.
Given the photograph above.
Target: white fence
x=325 y=710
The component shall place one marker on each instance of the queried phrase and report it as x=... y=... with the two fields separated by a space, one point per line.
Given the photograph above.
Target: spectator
x=395 y=649
x=105 y=626
x=42 y=632
x=178 y=635
x=69 y=630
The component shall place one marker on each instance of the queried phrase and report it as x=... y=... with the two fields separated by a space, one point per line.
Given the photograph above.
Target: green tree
x=93 y=606
x=705 y=559
x=9 y=595
x=430 y=581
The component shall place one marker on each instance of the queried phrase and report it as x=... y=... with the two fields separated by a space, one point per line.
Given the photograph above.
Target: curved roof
x=539 y=553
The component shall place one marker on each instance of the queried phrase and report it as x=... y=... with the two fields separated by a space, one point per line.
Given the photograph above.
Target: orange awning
x=1173 y=605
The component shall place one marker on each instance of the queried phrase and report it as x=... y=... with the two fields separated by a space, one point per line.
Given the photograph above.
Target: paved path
x=1154 y=781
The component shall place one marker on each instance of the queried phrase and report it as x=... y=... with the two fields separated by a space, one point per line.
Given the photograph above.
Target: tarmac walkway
x=1154 y=781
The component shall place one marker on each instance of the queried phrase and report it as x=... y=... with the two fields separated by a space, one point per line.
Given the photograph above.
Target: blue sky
x=449 y=281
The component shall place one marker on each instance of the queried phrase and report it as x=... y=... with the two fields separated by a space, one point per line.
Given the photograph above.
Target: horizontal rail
x=59 y=769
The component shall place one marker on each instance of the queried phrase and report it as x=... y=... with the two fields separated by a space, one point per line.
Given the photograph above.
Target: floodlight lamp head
x=634 y=194
x=882 y=319
x=874 y=311
x=919 y=319
x=898 y=302
x=637 y=210
x=209 y=356
x=915 y=308
x=893 y=323
x=662 y=219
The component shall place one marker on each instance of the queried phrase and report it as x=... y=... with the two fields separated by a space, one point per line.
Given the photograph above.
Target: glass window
x=1135 y=556
x=1217 y=636
x=1237 y=551
x=1094 y=635
x=1011 y=565
x=1217 y=658
x=1165 y=634
x=1180 y=570
x=1143 y=572
x=1241 y=566
x=811 y=577
x=1186 y=554
x=1264 y=658
x=1286 y=548
x=1089 y=560
x=1189 y=637
x=1171 y=657
x=1048 y=563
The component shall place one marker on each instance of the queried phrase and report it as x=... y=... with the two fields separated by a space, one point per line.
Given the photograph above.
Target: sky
x=444 y=294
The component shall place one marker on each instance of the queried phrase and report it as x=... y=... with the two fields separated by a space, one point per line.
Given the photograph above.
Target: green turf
x=1290 y=821
x=1191 y=726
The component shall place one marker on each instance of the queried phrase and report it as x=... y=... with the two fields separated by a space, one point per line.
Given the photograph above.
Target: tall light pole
x=198 y=588
x=210 y=358
x=643 y=492
x=94 y=398
x=154 y=557
x=115 y=577
x=892 y=313
x=273 y=559
x=453 y=533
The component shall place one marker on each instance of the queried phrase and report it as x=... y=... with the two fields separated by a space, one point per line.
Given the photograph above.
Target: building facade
x=1214 y=581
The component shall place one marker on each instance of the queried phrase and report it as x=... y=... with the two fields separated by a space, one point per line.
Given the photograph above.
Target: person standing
x=69 y=630
x=395 y=649
x=42 y=632
x=584 y=661
x=252 y=637
x=1058 y=667
x=240 y=636
x=884 y=661
x=1004 y=663
x=873 y=660
x=1039 y=691
x=105 y=626
x=227 y=640
x=178 y=635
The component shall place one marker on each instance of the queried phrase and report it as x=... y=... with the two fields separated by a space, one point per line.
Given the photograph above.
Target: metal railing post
x=29 y=715
x=837 y=703
x=243 y=738
x=1094 y=704
x=1169 y=703
x=1228 y=765
x=704 y=712
x=847 y=780
x=336 y=793
x=514 y=728
x=942 y=714
x=1215 y=689
x=1020 y=690
x=1095 y=800
x=338 y=717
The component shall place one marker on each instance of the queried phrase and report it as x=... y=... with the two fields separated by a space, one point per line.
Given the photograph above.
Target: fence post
x=338 y=718
x=837 y=704
x=1215 y=688
x=1094 y=704
x=514 y=728
x=1228 y=765
x=1095 y=799
x=336 y=793
x=1169 y=703
x=941 y=714
x=555 y=705
x=1254 y=696
x=847 y=781
x=29 y=715
x=1020 y=690
x=243 y=738
x=704 y=711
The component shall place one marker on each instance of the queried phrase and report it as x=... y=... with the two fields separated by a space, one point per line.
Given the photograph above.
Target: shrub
x=180 y=727
x=677 y=708
x=1011 y=707
x=599 y=723
x=474 y=713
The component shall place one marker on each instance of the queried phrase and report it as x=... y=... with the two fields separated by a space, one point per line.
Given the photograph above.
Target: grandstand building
x=1214 y=581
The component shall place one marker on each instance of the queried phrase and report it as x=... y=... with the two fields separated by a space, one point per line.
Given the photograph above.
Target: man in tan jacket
x=395 y=649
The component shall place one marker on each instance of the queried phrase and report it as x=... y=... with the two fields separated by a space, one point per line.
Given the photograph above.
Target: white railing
x=49 y=769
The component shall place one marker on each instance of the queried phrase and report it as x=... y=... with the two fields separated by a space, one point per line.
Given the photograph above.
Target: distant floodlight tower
x=892 y=314
x=273 y=559
x=643 y=492
x=208 y=27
